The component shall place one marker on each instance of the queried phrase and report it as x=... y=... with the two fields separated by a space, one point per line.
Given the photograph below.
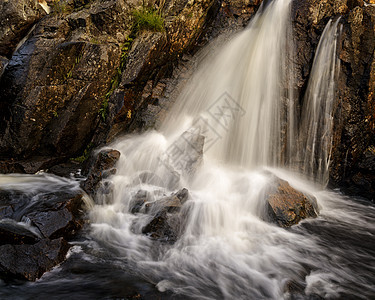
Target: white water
x=250 y=72
x=237 y=102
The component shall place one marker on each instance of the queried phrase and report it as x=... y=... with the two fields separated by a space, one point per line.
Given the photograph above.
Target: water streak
x=317 y=113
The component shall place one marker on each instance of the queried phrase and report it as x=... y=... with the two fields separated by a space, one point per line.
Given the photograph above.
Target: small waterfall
x=316 y=129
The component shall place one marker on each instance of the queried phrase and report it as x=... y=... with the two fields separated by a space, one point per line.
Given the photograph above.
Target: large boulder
x=286 y=206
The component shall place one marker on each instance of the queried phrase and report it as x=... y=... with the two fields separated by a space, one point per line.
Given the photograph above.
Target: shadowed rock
x=34 y=229
x=162 y=228
x=31 y=261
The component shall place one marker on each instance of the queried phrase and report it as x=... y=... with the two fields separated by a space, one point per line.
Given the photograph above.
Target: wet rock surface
x=3 y=64
x=14 y=234
x=34 y=229
x=166 y=223
x=161 y=229
x=286 y=206
x=99 y=167
x=31 y=261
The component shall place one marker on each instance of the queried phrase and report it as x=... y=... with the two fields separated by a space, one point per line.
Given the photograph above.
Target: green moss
x=147 y=19
x=104 y=109
x=85 y=155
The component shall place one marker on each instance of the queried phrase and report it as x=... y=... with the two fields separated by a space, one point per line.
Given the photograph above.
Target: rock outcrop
x=81 y=72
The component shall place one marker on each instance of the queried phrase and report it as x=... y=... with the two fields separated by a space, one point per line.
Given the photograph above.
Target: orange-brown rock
x=287 y=206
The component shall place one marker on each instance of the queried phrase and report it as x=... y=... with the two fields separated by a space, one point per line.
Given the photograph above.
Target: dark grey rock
x=15 y=234
x=31 y=261
x=98 y=168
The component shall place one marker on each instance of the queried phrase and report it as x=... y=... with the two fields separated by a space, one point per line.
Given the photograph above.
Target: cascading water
x=237 y=106
x=240 y=93
x=317 y=120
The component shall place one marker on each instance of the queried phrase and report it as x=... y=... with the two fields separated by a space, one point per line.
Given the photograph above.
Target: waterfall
x=317 y=119
x=231 y=135
x=240 y=93
x=240 y=107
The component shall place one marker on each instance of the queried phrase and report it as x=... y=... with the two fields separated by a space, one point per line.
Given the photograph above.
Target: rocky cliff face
x=81 y=71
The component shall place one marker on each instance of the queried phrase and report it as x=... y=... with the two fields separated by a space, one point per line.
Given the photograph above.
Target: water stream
x=240 y=102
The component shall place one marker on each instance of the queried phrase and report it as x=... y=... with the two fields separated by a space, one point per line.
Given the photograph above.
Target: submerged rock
x=286 y=206
x=137 y=202
x=99 y=167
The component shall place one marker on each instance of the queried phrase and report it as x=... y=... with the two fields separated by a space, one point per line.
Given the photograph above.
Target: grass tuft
x=148 y=19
